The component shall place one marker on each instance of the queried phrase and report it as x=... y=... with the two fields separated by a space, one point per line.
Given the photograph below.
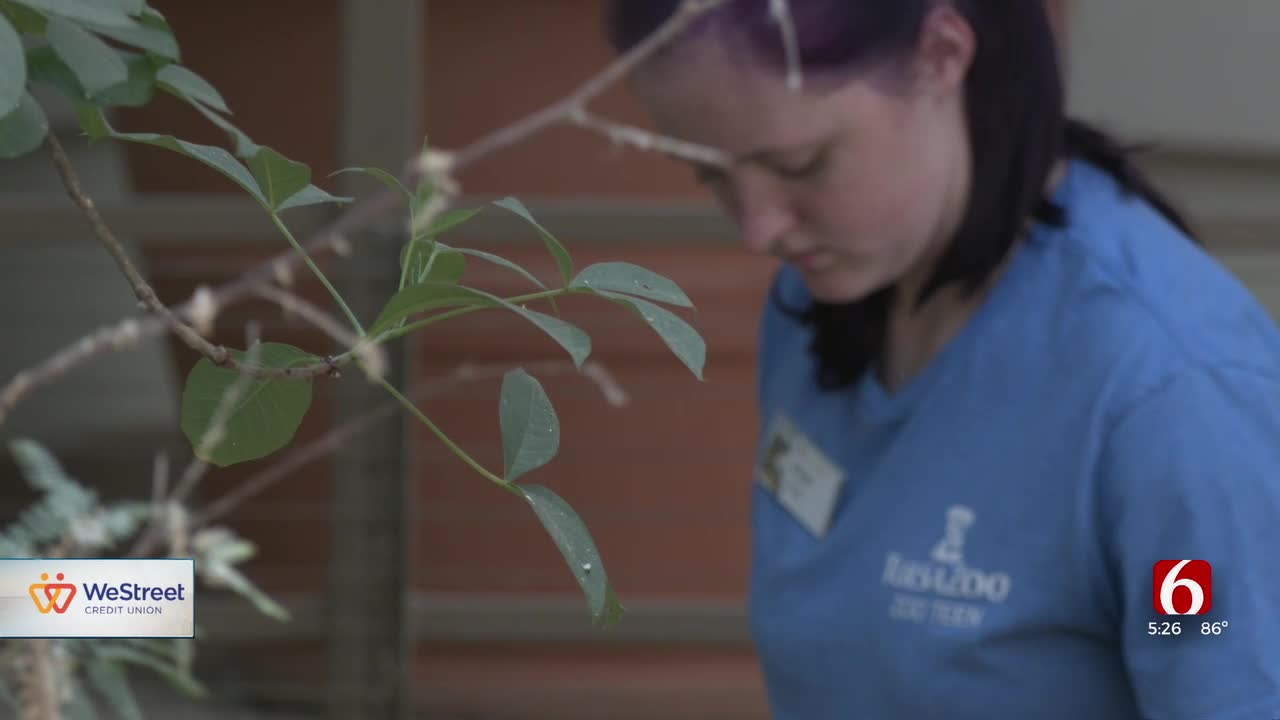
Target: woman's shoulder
x=1127 y=285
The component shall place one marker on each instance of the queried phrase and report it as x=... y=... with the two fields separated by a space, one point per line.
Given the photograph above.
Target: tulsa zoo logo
x=55 y=596
x=945 y=590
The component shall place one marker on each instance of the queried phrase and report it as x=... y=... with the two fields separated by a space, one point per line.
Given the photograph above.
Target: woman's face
x=858 y=182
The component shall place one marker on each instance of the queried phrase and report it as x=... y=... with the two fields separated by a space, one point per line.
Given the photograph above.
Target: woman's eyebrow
x=766 y=154
x=759 y=155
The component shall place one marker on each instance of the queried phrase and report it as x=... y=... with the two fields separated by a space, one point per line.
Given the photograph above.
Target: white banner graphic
x=97 y=598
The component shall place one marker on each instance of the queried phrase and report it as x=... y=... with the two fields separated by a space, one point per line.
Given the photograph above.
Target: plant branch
x=641 y=139
x=197 y=468
x=394 y=333
x=40 y=696
x=371 y=355
x=342 y=434
x=141 y=289
x=563 y=110
x=315 y=270
x=433 y=165
x=440 y=434
x=202 y=307
x=780 y=12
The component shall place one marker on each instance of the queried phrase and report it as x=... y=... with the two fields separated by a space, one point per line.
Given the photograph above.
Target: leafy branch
x=241 y=405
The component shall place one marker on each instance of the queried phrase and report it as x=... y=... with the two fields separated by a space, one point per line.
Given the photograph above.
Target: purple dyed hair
x=1016 y=124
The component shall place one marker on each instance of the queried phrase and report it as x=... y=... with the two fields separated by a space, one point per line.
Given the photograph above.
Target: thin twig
x=131 y=331
x=780 y=12
x=212 y=435
x=159 y=496
x=145 y=293
x=372 y=356
x=40 y=695
x=112 y=337
x=562 y=110
x=435 y=165
x=642 y=139
x=613 y=393
x=159 y=479
x=204 y=304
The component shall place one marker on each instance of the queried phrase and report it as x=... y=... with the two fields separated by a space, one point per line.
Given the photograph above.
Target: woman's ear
x=945 y=51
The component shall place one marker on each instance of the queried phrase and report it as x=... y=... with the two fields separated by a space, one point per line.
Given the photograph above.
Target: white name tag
x=800 y=475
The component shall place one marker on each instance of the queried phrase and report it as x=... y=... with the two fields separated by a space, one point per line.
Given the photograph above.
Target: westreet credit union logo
x=50 y=596
x=97 y=598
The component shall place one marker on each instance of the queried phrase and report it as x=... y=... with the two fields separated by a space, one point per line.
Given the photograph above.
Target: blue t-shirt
x=992 y=550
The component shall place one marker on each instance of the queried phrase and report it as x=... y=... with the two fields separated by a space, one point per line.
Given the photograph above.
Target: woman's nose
x=763 y=220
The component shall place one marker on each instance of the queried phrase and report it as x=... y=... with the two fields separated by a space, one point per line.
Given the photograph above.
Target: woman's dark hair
x=1016 y=122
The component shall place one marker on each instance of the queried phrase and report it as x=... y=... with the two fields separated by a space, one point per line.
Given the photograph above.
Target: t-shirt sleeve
x=1192 y=472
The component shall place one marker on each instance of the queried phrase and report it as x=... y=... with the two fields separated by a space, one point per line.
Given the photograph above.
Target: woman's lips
x=815 y=260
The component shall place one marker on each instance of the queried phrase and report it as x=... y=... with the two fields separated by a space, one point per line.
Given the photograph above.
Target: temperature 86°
x=1213 y=628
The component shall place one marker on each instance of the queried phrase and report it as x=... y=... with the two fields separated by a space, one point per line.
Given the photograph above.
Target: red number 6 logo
x=1195 y=577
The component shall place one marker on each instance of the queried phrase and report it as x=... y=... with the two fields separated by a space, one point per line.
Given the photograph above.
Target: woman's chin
x=835 y=285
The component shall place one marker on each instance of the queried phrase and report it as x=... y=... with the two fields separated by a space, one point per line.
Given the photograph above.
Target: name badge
x=799 y=475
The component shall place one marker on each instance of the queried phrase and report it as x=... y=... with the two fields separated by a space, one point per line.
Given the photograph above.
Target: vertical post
x=370 y=650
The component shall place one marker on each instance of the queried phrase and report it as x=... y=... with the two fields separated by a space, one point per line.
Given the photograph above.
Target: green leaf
x=44 y=66
x=215 y=157
x=576 y=342
x=152 y=17
x=156 y=40
x=530 y=429
x=579 y=550
x=77 y=704
x=631 y=279
x=678 y=335
x=8 y=700
x=24 y=19
x=245 y=147
x=311 y=195
x=126 y=654
x=217 y=552
x=13 y=68
x=431 y=296
x=95 y=64
x=132 y=7
x=557 y=250
x=39 y=467
x=22 y=130
x=63 y=502
x=445 y=266
x=134 y=92
x=279 y=177
x=427 y=296
x=92 y=121
x=109 y=678
x=265 y=417
x=381 y=176
x=186 y=84
x=426 y=261
x=449 y=220
x=499 y=261
x=88 y=11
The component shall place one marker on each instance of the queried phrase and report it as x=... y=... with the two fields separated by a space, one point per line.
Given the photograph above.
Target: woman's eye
x=798 y=171
x=707 y=175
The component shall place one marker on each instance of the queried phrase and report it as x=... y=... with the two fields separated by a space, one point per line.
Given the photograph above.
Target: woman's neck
x=915 y=335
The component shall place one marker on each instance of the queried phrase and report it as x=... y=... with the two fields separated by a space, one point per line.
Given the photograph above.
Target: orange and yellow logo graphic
x=52 y=594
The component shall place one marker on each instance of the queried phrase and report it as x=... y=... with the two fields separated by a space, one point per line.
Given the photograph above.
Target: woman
x=999 y=381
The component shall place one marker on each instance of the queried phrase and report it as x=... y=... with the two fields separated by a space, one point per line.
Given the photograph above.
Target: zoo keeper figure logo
x=944 y=590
